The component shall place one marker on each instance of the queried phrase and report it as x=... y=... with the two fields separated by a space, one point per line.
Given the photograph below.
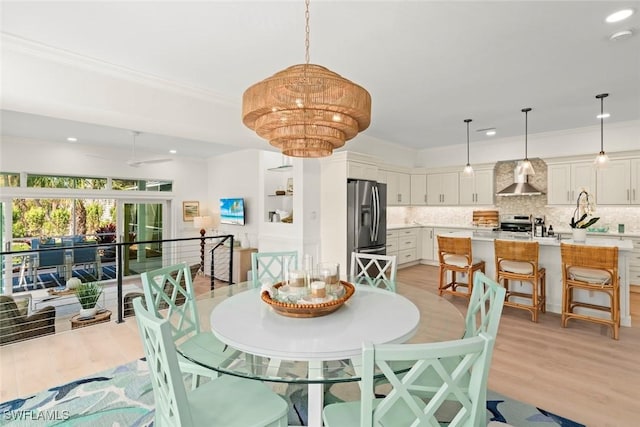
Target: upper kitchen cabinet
x=619 y=183
x=564 y=181
x=357 y=170
x=398 y=187
x=418 y=189
x=442 y=189
x=477 y=189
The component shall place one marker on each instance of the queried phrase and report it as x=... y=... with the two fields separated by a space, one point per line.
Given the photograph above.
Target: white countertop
x=611 y=234
x=622 y=244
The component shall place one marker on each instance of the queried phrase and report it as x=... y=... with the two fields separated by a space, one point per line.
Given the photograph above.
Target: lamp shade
x=203 y=222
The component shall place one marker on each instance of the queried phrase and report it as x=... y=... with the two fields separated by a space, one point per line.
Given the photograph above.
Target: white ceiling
x=427 y=64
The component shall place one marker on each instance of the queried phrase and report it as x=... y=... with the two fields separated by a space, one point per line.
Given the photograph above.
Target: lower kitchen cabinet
x=427 y=244
x=403 y=243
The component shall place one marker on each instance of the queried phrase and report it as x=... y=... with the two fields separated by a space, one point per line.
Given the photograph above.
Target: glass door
x=141 y=221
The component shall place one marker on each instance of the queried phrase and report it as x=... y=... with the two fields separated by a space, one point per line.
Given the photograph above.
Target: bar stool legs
x=455 y=256
x=590 y=269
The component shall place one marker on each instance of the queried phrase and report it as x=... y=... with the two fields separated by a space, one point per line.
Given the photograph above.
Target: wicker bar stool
x=590 y=268
x=516 y=260
x=454 y=254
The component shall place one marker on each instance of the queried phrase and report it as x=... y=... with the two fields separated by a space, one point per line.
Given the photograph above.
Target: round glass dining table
x=268 y=346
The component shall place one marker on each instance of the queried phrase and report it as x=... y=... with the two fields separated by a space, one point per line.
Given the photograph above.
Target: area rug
x=53 y=280
x=123 y=396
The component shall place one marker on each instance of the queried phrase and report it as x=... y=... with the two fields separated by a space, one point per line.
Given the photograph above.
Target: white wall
x=236 y=175
x=623 y=136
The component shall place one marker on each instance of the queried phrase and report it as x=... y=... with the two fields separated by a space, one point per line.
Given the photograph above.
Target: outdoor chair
x=451 y=361
x=162 y=288
x=225 y=401
x=16 y=325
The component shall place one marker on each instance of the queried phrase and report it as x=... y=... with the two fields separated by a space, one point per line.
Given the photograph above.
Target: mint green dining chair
x=374 y=270
x=455 y=400
x=271 y=266
x=166 y=297
x=225 y=401
x=485 y=306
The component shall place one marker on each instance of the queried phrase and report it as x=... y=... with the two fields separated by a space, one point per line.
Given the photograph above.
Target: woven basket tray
x=309 y=310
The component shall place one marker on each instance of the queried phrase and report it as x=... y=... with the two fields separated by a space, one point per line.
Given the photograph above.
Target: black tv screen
x=232 y=211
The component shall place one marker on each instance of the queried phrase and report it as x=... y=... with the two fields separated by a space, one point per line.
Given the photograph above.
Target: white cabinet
x=398 y=187
x=635 y=182
x=619 y=183
x=477 y=189
x=634 y=262
x=392 y=242
x=442 y=189
x=427 y=244
x=357 y=170
x=564 y=181
x=418 y=189
x=407 y=245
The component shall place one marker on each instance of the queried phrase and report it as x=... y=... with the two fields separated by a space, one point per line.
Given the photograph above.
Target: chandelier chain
x=306 y=32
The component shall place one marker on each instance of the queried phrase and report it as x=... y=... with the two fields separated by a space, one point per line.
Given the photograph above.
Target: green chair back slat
x=225 y=401
x=485 y=306
x=461 y=365
x=163 y=290
x=271 y=266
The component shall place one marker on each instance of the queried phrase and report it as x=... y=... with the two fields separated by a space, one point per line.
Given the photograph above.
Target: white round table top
x=246 y=323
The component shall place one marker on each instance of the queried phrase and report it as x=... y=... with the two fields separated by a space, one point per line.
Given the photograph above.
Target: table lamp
x=203 y=222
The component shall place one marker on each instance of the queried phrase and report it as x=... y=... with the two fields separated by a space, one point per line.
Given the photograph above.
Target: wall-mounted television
x=232 y=211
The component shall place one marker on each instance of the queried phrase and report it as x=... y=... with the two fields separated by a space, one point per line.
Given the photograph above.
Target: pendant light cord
x=306 y=33
x=601 y=97
x=602 y=124
x=467 y=121
x=526 y=131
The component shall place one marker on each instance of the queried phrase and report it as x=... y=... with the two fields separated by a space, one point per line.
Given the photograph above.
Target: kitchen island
x=482 y=246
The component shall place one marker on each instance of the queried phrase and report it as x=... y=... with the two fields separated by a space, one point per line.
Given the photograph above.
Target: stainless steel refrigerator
x=366 y=218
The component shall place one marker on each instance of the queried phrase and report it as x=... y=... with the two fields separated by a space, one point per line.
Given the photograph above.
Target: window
x=9 y=179
x=77 y=182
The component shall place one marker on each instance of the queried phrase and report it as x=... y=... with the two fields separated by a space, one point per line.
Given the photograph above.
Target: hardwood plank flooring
x=578 y=372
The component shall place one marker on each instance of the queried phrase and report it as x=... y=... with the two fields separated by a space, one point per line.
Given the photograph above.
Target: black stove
x=516 y=223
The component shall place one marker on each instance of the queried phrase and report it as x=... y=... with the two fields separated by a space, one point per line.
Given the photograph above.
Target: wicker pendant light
x=602 y=160
x=306 y=110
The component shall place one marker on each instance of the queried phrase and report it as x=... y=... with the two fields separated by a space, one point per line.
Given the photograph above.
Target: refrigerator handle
x=376 y=213
x=372 y=250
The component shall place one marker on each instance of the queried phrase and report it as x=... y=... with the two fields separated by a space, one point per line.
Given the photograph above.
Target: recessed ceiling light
x=488 y=131
x=173 y=151
x=72 y=139
x=621 y=35
x=619 y=15
x=603 y=116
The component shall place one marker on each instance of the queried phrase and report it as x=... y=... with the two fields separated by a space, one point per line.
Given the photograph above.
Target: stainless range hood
x=521 y=186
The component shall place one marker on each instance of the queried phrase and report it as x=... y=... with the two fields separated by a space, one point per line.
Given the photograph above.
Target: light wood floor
x=578 y=372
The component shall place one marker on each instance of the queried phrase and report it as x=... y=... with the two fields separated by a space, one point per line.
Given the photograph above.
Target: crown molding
x=20 y=45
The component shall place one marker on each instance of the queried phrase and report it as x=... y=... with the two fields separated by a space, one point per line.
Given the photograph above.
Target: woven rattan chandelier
x=306 y=110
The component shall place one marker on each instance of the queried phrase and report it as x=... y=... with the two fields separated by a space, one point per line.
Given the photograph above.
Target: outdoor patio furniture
x=15 y=326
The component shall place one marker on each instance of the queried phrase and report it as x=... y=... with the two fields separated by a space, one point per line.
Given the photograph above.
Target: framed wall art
x=190 y=210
